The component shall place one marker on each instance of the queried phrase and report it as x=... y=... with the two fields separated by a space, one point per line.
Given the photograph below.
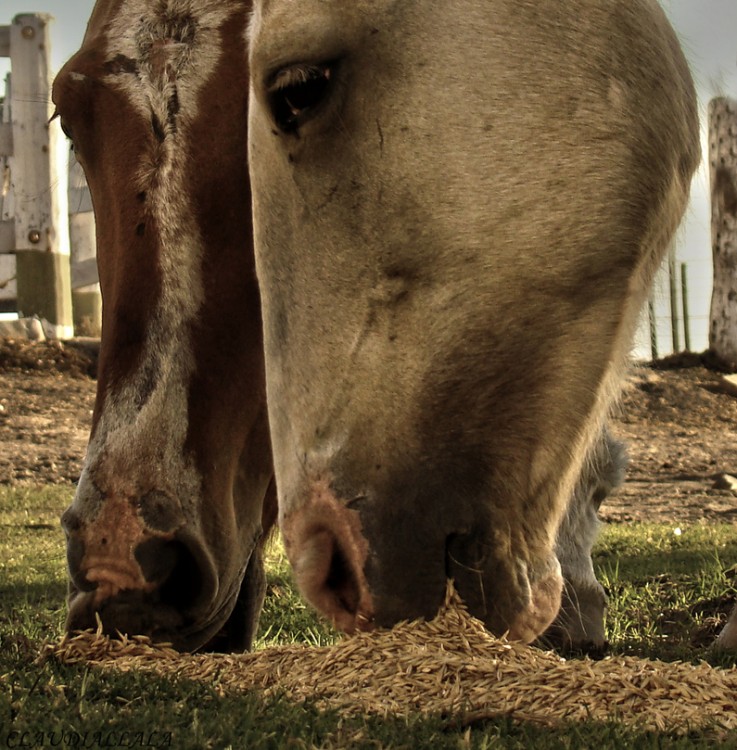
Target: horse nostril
x=174 y=568
x=70 y=521
x=157 y=558
x=329 y=574
x=185 y=587
x=75 y=556
x=342 y=582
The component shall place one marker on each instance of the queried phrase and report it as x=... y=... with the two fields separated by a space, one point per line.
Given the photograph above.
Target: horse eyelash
x=296 y=75
x=64 y=129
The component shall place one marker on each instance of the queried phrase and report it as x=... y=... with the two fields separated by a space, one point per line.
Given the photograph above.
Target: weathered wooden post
x=672 y=282
x=723 y=170
x=684 y=307
x=39 y=178
x=653 y=325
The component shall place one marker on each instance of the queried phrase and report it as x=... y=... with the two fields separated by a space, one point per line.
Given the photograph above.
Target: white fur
x=130 y=443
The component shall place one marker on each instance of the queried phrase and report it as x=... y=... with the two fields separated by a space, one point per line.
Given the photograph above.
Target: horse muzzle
x=141 y=577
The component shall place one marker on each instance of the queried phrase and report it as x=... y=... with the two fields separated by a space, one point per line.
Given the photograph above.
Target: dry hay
x=450 y=666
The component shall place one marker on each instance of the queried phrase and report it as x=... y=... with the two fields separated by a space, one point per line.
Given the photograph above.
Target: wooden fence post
x=723 y=170
x=653 y=327
x=684 y=307
x=39 y=181
x=672 y=281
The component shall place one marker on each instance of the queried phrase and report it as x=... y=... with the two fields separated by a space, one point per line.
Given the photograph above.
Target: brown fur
x=156 y=104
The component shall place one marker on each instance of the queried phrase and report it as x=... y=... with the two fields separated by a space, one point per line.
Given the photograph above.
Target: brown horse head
x=166 y=528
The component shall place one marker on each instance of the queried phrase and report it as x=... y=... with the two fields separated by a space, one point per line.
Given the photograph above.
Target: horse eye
x=66 y=129
x=296 y=92
x=63 y=125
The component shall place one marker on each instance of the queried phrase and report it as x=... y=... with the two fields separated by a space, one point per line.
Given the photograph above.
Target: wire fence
x=676 y=318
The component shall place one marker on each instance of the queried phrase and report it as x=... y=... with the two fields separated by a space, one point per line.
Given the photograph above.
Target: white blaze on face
x=176 y=46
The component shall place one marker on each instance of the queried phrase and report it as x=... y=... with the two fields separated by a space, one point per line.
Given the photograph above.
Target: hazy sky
x=708 y=30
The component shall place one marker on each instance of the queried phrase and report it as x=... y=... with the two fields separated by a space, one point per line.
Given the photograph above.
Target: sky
x=708 y=31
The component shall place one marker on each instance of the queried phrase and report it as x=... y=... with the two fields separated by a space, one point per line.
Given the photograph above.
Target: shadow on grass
x=645 y=566
x=51 y=698
x=23 y=594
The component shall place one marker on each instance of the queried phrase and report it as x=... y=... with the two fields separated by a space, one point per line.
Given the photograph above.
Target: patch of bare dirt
x=46 y=400
x=680 y=428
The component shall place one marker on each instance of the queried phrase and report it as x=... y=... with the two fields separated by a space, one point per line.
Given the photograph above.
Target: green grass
x=665 y=585
x=664 y=589
x=285 y=617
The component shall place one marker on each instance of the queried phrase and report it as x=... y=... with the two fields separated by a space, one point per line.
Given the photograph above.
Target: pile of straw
x=450 y=666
